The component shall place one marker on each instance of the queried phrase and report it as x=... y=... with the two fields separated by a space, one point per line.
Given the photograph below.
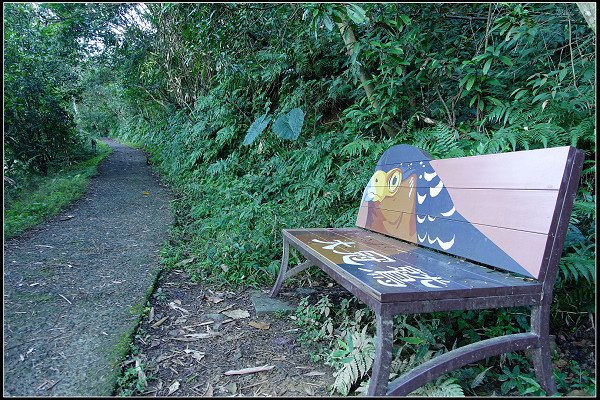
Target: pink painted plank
x=532 y=169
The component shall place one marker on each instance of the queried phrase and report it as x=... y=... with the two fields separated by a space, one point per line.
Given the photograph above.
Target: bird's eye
x=394 y=180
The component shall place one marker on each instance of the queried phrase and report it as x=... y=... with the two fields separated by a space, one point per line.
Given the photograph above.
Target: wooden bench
x=504 y=215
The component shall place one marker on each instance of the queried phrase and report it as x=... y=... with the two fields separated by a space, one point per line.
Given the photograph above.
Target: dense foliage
x=38 y=86
x=47 y=48
x=201 y=80
x=271 y=116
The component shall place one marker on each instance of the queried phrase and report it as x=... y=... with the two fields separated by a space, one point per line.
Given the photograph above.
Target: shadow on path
x=73 y=288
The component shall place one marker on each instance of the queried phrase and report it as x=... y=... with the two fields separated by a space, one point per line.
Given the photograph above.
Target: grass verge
x=51 y=194
x=124 y=378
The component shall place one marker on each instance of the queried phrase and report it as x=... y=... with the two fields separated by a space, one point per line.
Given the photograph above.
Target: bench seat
x=388 y=270
x=465 y=233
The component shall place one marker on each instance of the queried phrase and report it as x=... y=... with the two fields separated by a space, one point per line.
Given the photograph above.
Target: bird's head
x=383 y=184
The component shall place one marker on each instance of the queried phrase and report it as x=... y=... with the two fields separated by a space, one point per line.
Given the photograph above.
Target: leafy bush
x=343 y=83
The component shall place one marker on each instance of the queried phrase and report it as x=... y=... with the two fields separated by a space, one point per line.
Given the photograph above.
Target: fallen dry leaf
x=178 y=362
x=237 y=313
x=53 y=383
x=186 y=261
x=212 y=299
x=180 y=320
x=173 y=388
x=259 y=325
x=141 y=374
x=209 y=391
x=197 y=355
x=151 y=314
x=232 y=387
x=67 y=217
x=176 y=307
x=146 y=193
x=43 y=384
x=314 y=373
x=163 y=358
x=202 y=335
x=159 y=322
x=251 y=370
x=224 y=309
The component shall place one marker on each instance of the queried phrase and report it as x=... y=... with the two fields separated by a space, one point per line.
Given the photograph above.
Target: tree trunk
x=364 y=75
x=589 y=13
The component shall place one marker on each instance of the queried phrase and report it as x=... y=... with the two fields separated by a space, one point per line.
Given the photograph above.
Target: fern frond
x=440 y=388
x=356 y=364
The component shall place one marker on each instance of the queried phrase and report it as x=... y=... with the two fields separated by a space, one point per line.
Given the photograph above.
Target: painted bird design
x=405 y=198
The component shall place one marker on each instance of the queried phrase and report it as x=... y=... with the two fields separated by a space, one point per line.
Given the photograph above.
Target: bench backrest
x=508 y=210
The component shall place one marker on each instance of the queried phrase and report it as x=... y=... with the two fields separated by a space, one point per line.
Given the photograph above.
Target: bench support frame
x=536 y=342
x=283 y=270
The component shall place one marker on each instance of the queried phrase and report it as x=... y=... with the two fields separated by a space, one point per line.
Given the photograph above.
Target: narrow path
x=74 y=287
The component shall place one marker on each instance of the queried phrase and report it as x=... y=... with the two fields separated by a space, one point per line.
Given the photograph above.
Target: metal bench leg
x=282 y=270
x=284 y=273
x=383 y=355
x=542 y=359
x=458 y=358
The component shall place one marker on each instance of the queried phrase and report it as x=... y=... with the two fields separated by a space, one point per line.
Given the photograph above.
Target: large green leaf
x=288 y=126
x=487 y=66
x=256 y=128
x=470 y=82
x=356 y=13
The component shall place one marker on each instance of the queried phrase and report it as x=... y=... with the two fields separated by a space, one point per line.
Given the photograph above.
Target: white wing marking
x=446 y=245
x=434 y=191
x=429 y=177
x=431 y=241
x=420 y=220
x=430 y=218
x=423 y=239
x=448 y=213
x=420 y=198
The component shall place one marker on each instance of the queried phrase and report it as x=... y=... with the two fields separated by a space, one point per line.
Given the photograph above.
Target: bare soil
x=186 y=345
x=188 y=342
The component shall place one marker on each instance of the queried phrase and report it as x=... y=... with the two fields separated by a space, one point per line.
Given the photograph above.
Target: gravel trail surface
x=74 y=286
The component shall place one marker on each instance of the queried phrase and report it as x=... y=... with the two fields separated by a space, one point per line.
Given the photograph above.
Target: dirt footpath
x=73 y=287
